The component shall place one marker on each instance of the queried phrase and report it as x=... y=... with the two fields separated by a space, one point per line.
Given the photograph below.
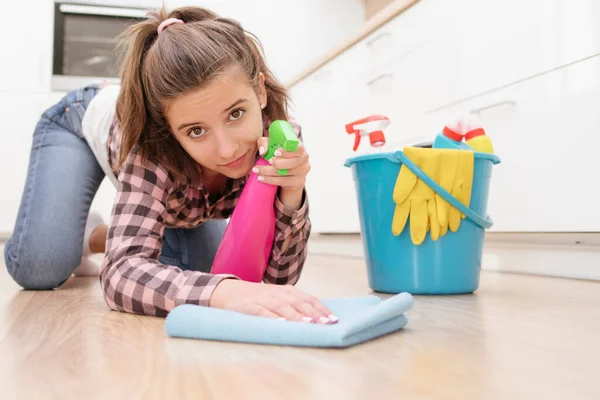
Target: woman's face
x=218 y=125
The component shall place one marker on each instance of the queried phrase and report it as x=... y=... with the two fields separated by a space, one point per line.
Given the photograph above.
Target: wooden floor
x=518 y=337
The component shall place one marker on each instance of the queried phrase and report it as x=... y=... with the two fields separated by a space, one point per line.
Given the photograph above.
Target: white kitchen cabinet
x=578 y=31
x=529 y=70
x=413 y=84
x=545 y=131
x=329 y=84
x=337 y=80
x=451 y=51
x=443 y=52
x=329 y=185
x=400 y=35
x=500 y=42
x=352 y=86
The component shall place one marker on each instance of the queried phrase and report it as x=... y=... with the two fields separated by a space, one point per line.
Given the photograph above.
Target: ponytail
x=131 y=103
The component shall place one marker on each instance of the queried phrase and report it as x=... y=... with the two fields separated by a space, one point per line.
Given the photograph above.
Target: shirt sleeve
x=287 y=259
x=132 y=278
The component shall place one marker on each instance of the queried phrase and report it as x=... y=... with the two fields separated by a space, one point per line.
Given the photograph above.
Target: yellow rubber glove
x=415 y=199
x=448 y=166
x=428 y=211
x=462 y=187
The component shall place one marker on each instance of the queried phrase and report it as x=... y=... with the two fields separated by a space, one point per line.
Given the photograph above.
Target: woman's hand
x=296 y=162
x=274 y=301
x=292 y=184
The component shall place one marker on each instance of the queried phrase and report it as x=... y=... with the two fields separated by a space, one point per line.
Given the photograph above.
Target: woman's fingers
x=310 y=306
x=272 y=301
x=262 y=311
x=308 y=309
x=295 y=306
x=320 y=307
x=285 y=310
x=273 y=171
x=316 y=306
x=263 y=145
x=289 y=163
x=300 y=152
x=297 y=181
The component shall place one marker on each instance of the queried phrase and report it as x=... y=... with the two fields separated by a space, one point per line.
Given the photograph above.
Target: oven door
x=85 y=40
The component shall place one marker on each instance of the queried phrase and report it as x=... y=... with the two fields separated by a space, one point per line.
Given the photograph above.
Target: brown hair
x=185 y=57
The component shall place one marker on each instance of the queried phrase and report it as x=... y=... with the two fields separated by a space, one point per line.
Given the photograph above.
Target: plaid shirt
x=148 y=200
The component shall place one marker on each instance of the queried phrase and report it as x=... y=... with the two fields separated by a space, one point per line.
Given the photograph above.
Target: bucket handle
x=485 y=223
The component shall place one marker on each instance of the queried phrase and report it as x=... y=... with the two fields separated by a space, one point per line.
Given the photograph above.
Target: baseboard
x=529 y=238
x=574 y=262
x=566 y=255
x=545 y=238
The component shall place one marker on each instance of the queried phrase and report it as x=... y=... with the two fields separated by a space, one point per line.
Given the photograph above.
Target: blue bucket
x=449 y=265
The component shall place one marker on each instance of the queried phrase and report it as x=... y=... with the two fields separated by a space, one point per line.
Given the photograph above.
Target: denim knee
x=35 y=271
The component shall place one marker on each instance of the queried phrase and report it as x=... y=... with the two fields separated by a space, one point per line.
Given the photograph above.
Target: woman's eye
x=196 y=132
x=236 y=114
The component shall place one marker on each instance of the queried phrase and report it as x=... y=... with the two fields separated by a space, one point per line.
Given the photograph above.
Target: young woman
x=178 y=139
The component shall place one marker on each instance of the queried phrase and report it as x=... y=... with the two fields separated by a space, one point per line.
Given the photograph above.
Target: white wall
x=294 y=34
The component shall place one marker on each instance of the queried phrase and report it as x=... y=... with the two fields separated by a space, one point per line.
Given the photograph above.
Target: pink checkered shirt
x=148 y=200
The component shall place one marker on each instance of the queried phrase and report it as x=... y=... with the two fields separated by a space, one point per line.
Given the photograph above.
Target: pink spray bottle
x=246 y=245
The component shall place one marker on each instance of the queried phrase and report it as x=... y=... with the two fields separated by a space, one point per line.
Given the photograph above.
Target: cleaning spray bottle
x=246 y=245
x=371 y=126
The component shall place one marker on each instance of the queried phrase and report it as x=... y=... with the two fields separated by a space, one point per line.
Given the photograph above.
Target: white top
x=96 y=124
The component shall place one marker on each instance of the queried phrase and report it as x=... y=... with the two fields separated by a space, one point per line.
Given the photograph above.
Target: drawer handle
x=380 y=77
x=376 y=38
x=501 y=103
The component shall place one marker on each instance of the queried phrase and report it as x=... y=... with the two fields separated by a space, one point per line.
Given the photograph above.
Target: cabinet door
x=360 y=82
x=330 y=185
x=545 y=131
x=439 y=60
x=417 y=82
x=501 y=42
x=578 y=29
x=414 y=25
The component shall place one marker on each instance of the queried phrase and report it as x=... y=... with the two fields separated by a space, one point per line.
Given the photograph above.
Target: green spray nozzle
x=281 y=135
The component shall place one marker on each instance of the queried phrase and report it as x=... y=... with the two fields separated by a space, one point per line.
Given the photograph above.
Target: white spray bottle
x=371 y=126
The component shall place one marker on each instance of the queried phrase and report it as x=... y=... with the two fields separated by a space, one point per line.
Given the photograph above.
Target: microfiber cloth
x=360 y=319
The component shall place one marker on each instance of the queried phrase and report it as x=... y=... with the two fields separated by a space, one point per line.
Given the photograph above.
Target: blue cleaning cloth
x=360 y=319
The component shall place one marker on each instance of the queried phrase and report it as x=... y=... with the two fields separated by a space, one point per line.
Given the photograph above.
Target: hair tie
x=168 y=22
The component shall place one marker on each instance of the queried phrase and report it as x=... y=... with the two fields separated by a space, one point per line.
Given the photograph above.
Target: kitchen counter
x=386 y=14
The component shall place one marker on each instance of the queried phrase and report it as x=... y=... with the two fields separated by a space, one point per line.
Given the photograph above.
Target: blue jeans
x=62 y=179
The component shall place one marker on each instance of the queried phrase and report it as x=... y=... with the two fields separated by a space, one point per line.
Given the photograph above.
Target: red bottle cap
x=457 y=137
x=474 y=133
x=377 y=138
